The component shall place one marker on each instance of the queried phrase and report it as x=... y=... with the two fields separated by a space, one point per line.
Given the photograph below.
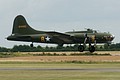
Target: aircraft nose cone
x=109 y=37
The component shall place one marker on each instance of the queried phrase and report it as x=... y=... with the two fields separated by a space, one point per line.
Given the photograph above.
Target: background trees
x=26 y=48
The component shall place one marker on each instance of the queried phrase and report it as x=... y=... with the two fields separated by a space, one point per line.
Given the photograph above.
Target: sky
x=61 y=16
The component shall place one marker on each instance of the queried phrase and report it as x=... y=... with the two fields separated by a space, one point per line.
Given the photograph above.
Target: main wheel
x=81 y=48
x=91 y=49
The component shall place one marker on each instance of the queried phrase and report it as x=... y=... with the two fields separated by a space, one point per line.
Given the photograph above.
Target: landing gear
x=81 y=48
x=91 y=49
x=90 y=40
x=31 y=45
x=60 y=45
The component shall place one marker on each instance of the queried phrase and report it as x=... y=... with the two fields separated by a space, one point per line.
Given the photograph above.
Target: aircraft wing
x=60 y=37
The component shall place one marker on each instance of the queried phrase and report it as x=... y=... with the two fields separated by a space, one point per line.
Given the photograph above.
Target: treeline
x=26 y=48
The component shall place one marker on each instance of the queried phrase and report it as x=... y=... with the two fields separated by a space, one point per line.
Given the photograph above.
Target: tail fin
x=20 y=26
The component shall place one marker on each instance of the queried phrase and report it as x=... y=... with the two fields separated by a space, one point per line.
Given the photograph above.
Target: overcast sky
x=60 y=15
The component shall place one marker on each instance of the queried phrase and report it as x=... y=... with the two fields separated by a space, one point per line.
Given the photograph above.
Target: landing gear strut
x=92 y=47
x=31 y=45
x=60 y=45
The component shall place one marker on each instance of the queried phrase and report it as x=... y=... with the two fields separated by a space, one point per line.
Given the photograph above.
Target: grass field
x=83 y=74
x=34 y=66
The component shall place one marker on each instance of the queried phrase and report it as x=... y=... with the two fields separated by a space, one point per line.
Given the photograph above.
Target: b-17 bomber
x=23 y=32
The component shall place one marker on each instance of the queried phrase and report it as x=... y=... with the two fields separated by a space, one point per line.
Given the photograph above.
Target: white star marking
x=47 y=38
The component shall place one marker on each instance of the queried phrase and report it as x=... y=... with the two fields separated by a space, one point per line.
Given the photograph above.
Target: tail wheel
x=81 y=48
x=91 y=49
x=61 y=45
x=31 y=45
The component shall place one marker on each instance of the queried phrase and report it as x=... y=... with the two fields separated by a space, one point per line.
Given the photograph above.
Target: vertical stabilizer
x=20 y=26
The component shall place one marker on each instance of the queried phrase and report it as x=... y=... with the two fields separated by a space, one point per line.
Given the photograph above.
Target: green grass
x=59 y=65
x=59 y=74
